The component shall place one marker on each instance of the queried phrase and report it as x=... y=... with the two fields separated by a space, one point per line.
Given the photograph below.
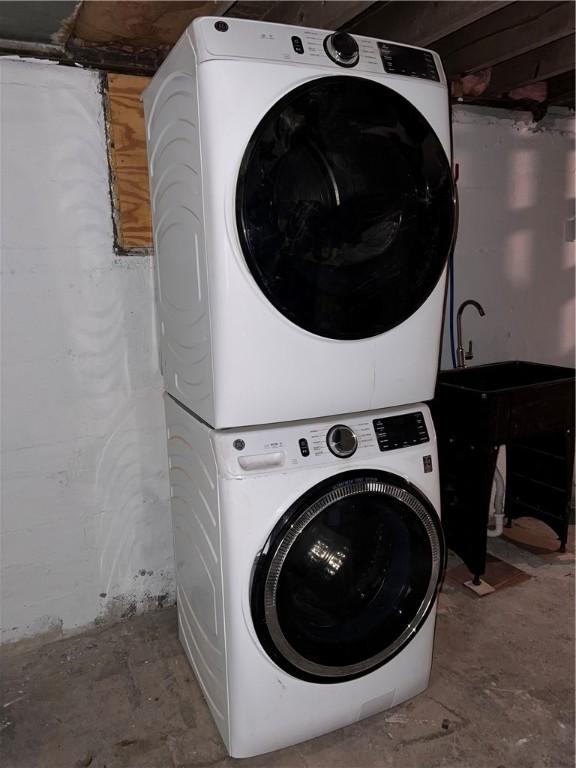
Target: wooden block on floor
x=481 y=589
x=499 y=575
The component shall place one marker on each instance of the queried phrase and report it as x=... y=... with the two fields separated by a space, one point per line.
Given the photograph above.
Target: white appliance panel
x=266 y=708
x=228 y=354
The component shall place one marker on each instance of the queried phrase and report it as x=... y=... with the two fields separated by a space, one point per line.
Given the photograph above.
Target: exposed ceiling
x=497 y=53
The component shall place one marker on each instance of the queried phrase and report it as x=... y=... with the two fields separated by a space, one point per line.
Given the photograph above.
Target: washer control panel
x=400 y=431
x=327 y=441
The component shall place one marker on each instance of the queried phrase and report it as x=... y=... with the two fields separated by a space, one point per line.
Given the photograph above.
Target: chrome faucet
x=461 y=356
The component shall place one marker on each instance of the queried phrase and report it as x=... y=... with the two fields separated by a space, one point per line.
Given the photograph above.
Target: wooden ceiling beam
x=245 y=9
x=539 y=64
x=421 y=23
x=510 y=32
x=321 y=15
x=144 y=25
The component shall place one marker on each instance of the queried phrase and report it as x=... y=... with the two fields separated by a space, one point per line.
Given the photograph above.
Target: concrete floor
x=501 y=693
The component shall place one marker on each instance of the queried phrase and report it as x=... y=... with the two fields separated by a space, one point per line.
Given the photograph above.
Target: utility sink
x=529 y=407
x=500 y=401
x=501 y=376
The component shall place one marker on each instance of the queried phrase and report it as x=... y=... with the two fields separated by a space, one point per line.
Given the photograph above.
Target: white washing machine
x=308 y=559
x=303 y=208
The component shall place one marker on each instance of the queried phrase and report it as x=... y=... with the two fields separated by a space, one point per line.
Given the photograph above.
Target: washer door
x=347 y=577
x=345 y=207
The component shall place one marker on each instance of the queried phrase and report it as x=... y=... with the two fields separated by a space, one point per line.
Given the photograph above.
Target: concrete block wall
x=85 y=523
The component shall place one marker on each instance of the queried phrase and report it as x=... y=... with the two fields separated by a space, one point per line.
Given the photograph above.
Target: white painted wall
x=85 y=498
x=516 y=190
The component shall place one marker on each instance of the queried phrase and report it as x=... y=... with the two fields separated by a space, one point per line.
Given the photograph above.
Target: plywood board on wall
x=128 y=161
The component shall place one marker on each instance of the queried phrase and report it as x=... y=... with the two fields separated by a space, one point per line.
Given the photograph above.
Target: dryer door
x=348 y=577
x=345 y=207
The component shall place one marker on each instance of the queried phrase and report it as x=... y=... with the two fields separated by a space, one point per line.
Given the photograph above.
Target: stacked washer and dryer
x=303 y=209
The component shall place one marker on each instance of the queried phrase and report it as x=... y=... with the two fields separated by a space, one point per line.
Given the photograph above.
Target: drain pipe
x=498 y=505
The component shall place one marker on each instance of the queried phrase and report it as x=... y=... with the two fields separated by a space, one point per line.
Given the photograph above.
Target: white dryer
x=303 y=208
x=308 y=559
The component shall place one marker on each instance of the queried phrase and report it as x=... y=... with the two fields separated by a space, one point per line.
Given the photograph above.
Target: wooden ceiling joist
x=322 y=15
x=503 y=35
x=537 y=65
x=148 y=25
x=421 y=23
x=505 y=44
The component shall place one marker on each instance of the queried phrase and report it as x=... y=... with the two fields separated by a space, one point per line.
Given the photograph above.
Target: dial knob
x=342 y=48
x=341 y=441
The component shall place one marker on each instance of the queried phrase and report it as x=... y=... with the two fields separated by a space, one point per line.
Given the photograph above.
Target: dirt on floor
x=501 y=693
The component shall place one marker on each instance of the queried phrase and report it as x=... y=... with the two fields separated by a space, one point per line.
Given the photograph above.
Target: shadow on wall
x=516 y=198
x=109 y=321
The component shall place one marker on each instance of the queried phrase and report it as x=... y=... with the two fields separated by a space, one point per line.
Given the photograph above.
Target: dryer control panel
x=411 y=62
x=334 y=441
x=228 y=37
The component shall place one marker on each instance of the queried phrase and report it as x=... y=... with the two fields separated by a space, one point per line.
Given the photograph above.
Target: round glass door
x=345 y=207
x=347 y=577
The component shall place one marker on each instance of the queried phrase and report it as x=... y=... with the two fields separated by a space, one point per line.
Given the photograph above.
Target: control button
x=304 y=449
x=341 y=441
x=342 y=49
x=239 y=444
x=221 y=26
x=297 y=44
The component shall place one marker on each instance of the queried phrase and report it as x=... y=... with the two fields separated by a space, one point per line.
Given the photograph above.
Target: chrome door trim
x=354 y=488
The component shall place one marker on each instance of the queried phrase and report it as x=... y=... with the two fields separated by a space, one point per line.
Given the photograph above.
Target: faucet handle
x=469 y=355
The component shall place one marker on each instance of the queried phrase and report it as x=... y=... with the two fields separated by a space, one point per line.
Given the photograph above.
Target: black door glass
x=355 y=578
x=345 y=207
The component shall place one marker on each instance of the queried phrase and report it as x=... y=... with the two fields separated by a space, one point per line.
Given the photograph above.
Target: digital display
x=401 y=431
x=400 y=427
x=412 y=62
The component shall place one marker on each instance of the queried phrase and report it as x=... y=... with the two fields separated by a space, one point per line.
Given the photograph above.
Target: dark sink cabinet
x=529 y=407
